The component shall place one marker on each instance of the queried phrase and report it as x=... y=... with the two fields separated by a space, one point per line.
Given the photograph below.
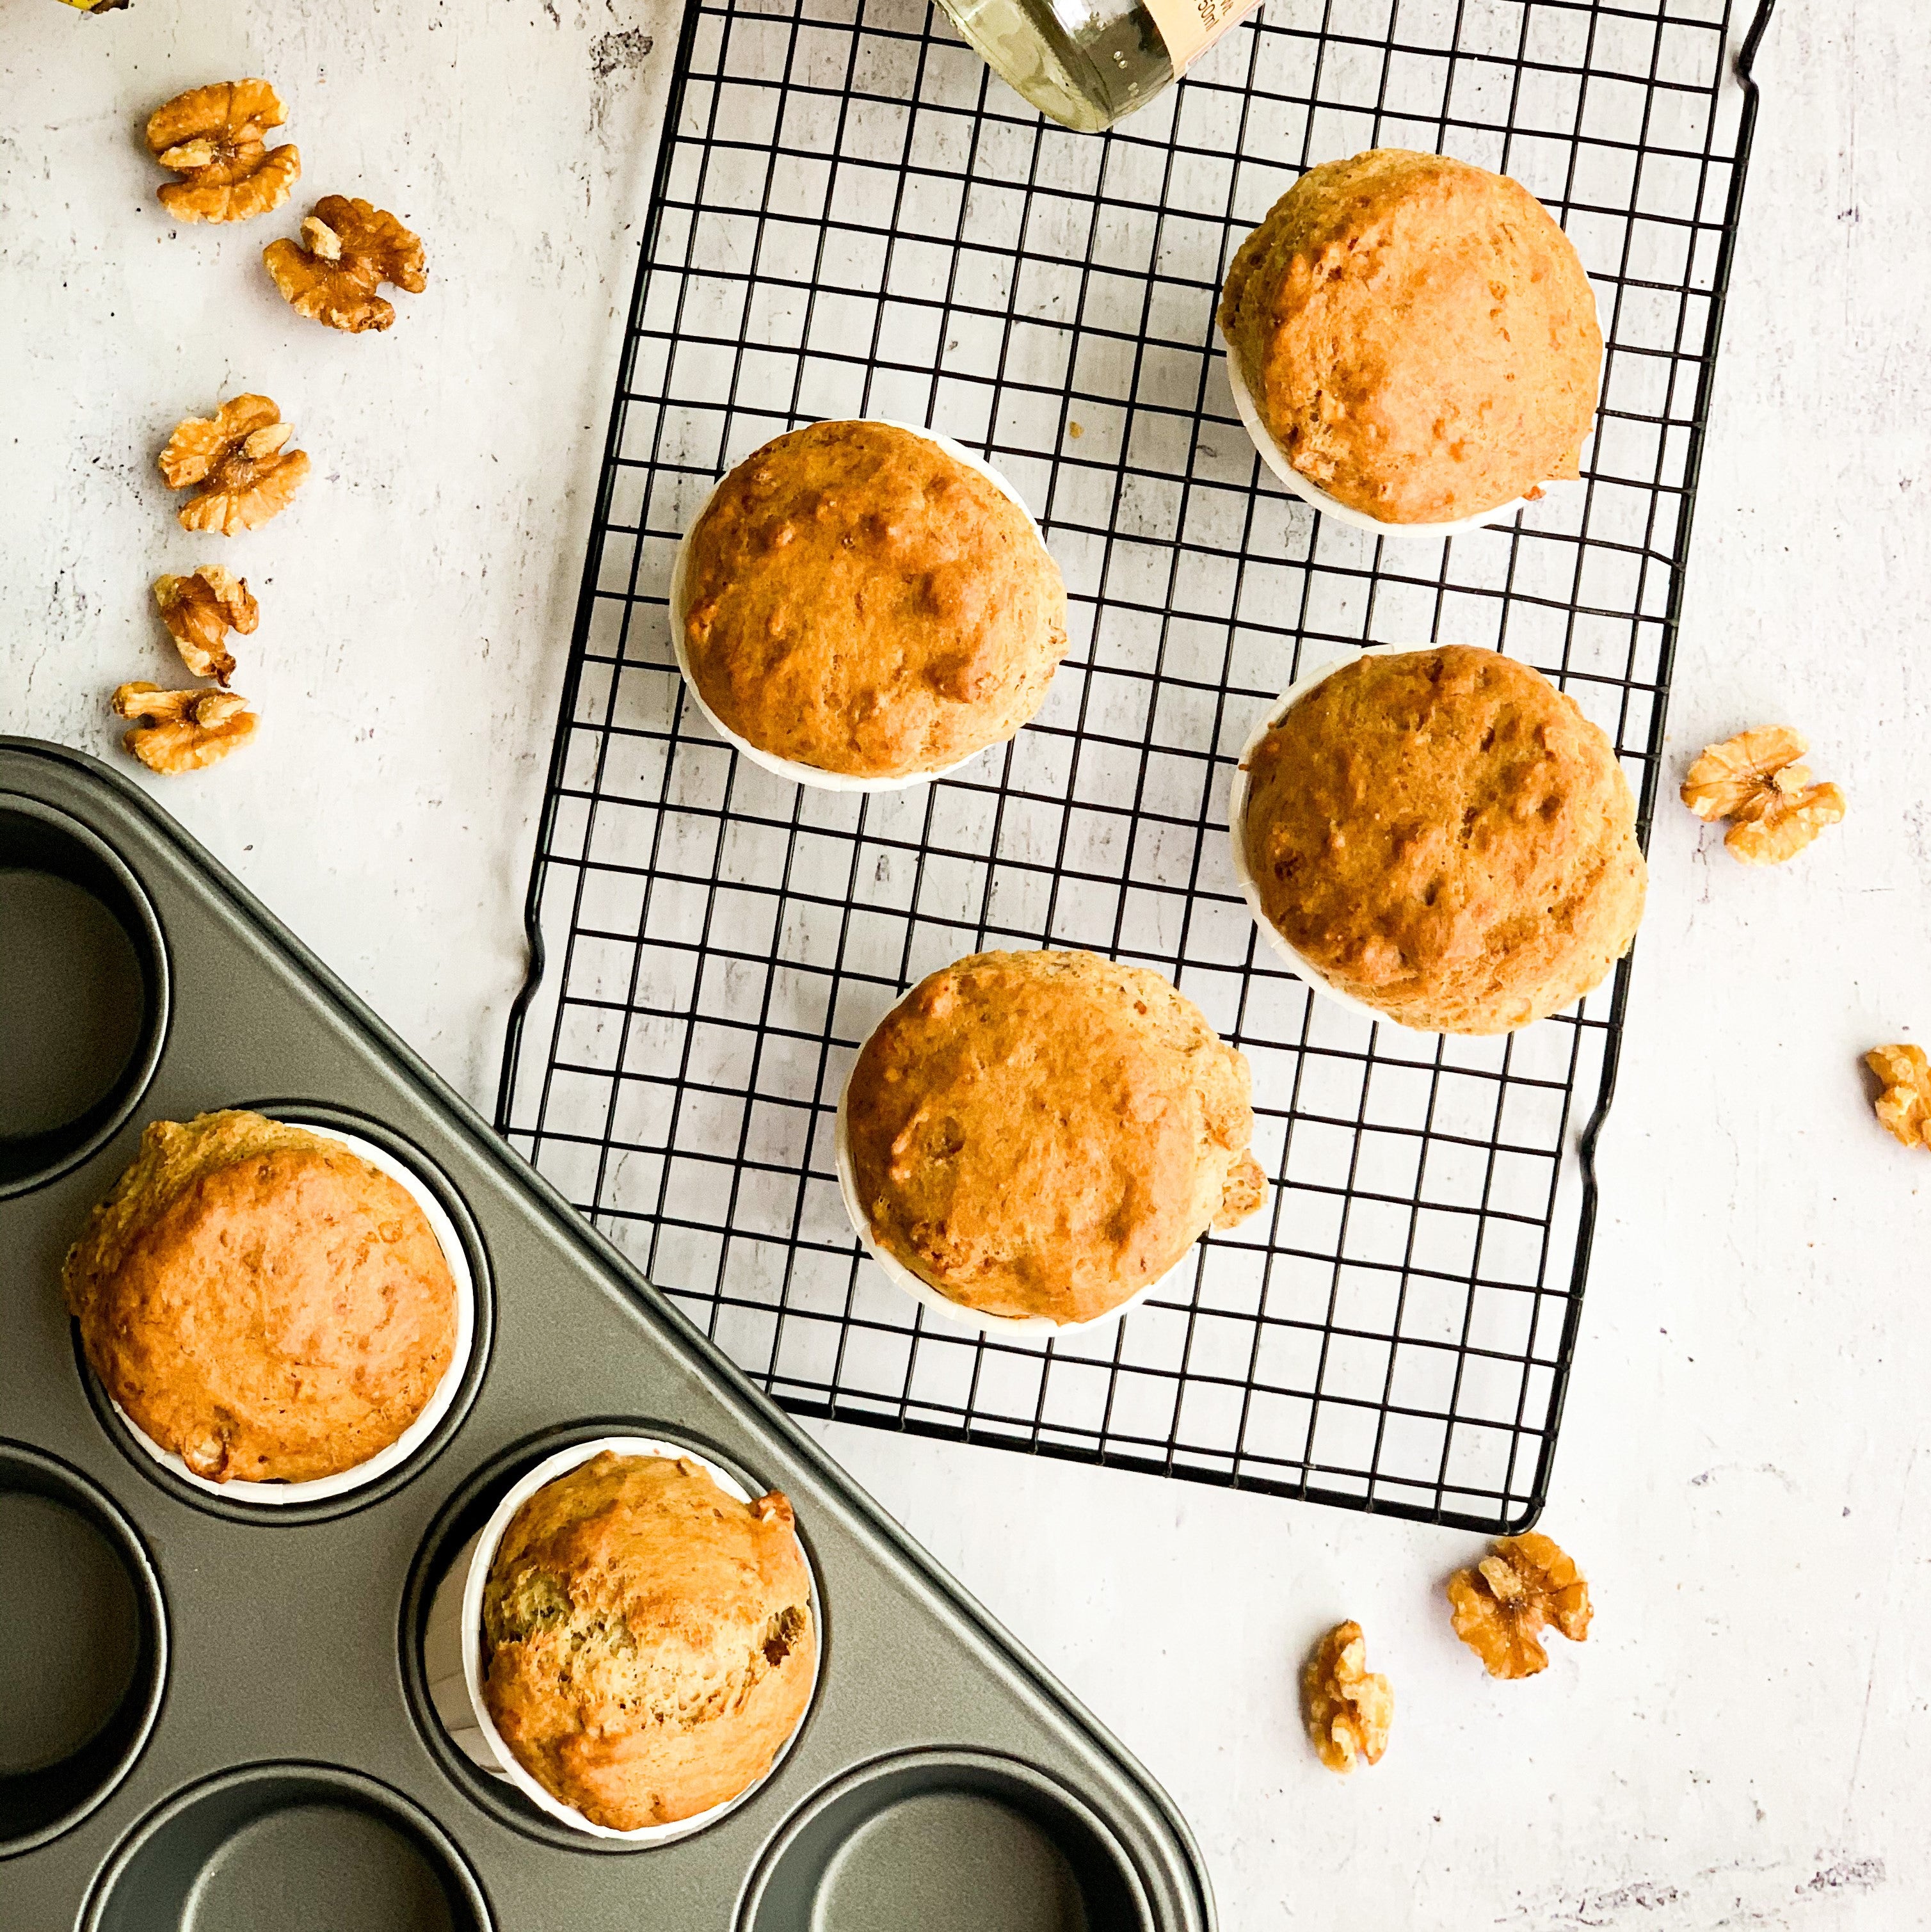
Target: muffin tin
x=215 y=1710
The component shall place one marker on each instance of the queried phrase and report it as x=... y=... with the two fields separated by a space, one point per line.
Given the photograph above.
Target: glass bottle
x=1087 y=62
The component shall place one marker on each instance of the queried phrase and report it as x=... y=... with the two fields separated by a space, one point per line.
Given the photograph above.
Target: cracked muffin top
x=1418 y=334
x=1047 y=1133
x=647 y=1646
x=1444 y=835
x=857 y=599
x=261 y=1300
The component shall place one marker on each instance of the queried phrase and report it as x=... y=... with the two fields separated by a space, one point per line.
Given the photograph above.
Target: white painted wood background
x=1744 y=1741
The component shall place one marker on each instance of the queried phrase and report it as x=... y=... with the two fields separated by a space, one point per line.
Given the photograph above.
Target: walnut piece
x=241 y=460
x=1755 y=781
x=1905 y=1105
x=1348 y=1707
x=200 y=610
x=182 y=731
x=212 y=137
x=347 y=250
x=1501 y=1606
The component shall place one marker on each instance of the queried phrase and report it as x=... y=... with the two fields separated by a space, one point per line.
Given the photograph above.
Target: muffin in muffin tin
x=278 y=1311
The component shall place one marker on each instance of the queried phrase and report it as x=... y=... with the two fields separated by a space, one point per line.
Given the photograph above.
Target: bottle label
x=1190 y=27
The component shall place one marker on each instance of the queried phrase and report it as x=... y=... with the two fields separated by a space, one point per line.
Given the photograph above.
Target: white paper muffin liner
x=790 y=768
x=452 y=1646
x=320 y=1488
x=922 y=1290
x=1236 y=828
x=1275 y=458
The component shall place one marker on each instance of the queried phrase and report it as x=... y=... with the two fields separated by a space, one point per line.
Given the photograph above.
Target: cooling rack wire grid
x=852 y=217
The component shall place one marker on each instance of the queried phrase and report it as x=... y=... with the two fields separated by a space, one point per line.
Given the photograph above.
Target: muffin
x=857 y=600
x=1444 y=835
x=1047 y=1133
x=261 y=1300
x=1418 y=336
x=646 y=1639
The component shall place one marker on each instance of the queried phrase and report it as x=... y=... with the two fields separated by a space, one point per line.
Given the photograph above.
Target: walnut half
x=242 y=461
x=1905 y=1105
x=1348 y=1707
x=1502 y=1606
x=213 y=138
x=200 y=610
x=1755 y=780
x=348 y=250
x=176 y=731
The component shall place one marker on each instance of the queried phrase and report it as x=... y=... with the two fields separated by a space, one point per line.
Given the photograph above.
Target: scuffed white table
x=1744 y=1740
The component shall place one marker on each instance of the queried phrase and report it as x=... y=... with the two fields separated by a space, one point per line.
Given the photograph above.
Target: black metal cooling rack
x=853 y=217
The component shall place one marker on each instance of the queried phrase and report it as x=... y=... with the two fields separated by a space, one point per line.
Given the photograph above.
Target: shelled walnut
x=1905 y=1105
x=242 y=461
x=348 y=250
x=1348 y=1707
x=199 y=611
x=213 y=137
x=1502 y=1606
x=1755 y=780
x=176 y=731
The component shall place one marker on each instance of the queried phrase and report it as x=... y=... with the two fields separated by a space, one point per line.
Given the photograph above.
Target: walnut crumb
x=1905 y=1105
x=1501 y=1606
x=348 y=250
x=241 y=462
x=176 y=731
x=1349 y=1708
x=212 y=138
x=1755 y=781
x=200 y=610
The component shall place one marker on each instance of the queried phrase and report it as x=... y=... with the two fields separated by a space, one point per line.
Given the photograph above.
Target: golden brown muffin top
x=261 y=1300
x=1445 y=836
x=858 y=600
x=1419 y=335
x=647 y=1638
x=1047 y=1133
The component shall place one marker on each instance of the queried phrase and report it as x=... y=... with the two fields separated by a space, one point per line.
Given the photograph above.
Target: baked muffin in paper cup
x=1434 y=335
x=1303 y=967
x=455 y=1667
x=1275 y=458
x=795 y=770
x=278 y=1494
x=1212 y=1182
x=1475 y=967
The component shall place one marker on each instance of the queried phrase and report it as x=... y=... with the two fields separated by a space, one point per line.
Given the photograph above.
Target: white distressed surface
x=1743 y=1742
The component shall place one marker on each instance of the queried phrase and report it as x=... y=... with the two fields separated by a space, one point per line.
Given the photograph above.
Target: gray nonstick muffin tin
x=213 y=1715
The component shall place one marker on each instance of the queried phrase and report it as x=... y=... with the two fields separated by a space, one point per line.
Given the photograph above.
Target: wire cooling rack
x=853 y=217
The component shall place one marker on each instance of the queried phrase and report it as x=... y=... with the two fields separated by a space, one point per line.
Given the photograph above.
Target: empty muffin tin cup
x=922 y=1290
x=319 y=1488
x=452 y=1644
x=1275 y=458
x=1303 y=967
x=84 y=992
x=85 y=1665
x=790 y=768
